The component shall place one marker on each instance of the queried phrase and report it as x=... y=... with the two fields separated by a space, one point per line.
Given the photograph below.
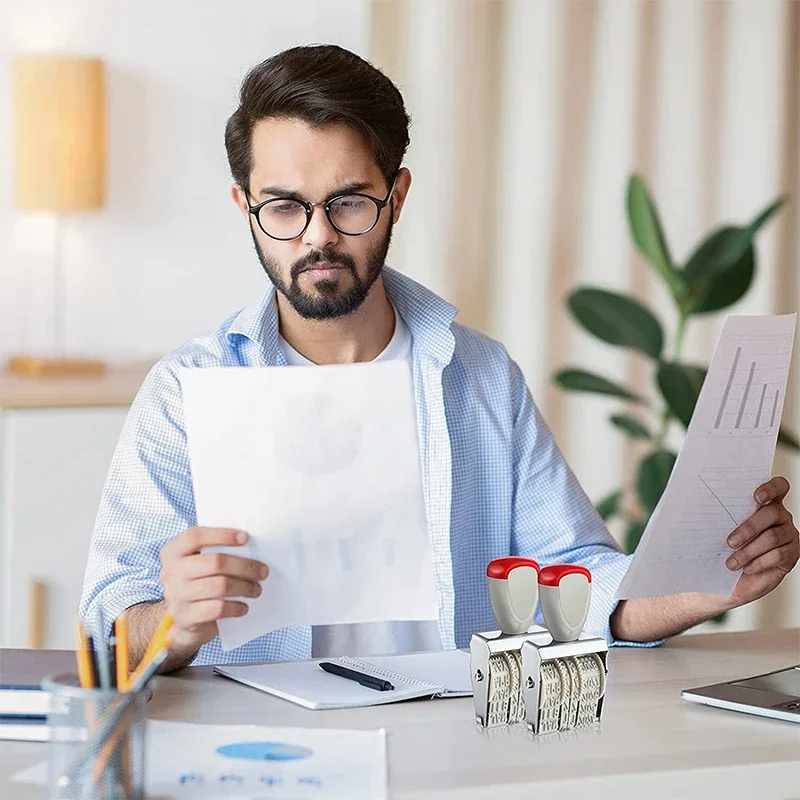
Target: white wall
x=168 y=257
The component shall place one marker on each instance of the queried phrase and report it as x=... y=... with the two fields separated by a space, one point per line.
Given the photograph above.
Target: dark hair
x=321 y=85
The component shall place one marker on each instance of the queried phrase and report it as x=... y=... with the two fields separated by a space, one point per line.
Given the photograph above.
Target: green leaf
x=654 y=472
x=724 y=248
x=608 y=506
x=713 y=282
x=578 y=380
x=648 y=235
x=633 y=535
x=631 y=426
x=618 y=320
x=680 y=384
x=788 y=439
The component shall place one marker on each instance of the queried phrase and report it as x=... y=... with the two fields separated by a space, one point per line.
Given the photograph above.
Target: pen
x=370 y=681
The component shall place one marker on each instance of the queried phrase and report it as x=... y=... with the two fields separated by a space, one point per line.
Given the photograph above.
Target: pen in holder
x=97 y=741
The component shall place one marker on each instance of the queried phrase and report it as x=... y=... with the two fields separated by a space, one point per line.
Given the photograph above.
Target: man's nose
x=320 y=233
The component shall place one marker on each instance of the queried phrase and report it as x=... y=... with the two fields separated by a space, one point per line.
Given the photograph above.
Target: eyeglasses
x=286 y=218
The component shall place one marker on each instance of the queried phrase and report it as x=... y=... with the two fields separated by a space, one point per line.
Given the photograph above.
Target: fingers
x=764 y=518
x=191 y=540
x=776 y=489
x=207 y=564
x=197 y=584
x=219 y=587
x=777 y=545
x=783 y=558
x=191 y=614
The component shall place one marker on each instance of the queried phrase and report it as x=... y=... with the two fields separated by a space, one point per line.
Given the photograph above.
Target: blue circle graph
x=265 y=751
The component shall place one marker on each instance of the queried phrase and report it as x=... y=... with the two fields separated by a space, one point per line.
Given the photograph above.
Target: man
x=315 y=150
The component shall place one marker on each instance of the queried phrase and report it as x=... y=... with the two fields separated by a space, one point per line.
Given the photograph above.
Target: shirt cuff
x=112 y=600
x=608 y=570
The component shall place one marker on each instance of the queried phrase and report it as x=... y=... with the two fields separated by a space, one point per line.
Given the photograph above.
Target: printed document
x=321 y=466
x=195 y=762
x=727 y=454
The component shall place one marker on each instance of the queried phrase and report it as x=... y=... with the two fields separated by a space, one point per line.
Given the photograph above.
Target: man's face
x=323 y=274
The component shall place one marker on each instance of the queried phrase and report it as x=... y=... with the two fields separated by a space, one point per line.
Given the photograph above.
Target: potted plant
x=717 y=274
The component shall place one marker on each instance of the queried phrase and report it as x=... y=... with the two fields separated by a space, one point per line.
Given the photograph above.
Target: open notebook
x=440 y=674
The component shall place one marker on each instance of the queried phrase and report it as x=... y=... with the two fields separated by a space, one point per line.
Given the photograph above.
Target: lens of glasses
x=353 y=213
x=283 y=219
x=286 y=219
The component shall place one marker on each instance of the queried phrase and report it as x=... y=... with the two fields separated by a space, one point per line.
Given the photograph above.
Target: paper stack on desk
x=321 y=466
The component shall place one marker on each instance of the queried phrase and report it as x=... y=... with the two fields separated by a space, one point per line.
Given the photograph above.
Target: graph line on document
x=718 y=500
x=728 y=387
x=761 y=406
x=746 y=394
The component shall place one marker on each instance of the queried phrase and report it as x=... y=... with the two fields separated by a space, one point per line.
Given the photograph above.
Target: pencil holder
x=97 y=741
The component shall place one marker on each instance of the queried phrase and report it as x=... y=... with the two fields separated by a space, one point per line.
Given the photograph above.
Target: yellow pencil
x=83 y=658
x=121 y=629
x=160 y=640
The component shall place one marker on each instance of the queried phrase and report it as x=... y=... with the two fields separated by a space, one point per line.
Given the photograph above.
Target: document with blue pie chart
x=321 y=466
x=187 y=761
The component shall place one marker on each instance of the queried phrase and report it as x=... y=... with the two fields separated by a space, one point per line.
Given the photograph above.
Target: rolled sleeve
x=147 y=499
x=554 y=521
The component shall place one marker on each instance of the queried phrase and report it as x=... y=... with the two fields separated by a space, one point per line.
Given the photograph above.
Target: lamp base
x=49 y=367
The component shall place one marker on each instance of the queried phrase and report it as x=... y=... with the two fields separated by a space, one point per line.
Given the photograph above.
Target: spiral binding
x=381 y=672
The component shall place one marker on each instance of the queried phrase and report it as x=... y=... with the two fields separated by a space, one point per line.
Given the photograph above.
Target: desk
x=651 y=743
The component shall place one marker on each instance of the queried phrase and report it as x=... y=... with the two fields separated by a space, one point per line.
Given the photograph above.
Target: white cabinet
x=57 y=438
x=53 y=463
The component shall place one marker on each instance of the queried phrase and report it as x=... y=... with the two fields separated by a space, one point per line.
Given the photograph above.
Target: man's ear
x=401 y=186
x=240 y=198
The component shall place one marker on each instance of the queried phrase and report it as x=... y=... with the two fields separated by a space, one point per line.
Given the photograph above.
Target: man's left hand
x=766 y=546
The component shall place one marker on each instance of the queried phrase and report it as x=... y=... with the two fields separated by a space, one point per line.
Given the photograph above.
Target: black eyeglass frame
x=309 y=209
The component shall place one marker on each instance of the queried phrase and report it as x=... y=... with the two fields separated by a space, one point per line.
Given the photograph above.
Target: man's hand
x=196 y=585
x=766 y=546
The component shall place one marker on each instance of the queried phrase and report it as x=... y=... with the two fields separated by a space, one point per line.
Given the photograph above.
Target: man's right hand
x=196 y=584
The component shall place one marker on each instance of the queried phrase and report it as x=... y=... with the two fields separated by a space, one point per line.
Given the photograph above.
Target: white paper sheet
x=727 y=454
x=185 y=760
x=321 y=466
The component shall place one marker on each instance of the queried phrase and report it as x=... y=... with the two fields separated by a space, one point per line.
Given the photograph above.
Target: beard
x=326 y=300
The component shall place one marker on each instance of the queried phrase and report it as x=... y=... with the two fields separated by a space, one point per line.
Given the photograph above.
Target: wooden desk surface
x=650 y=744
x=116 y=387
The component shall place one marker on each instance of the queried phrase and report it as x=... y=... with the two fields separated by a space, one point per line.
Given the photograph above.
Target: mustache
x=319 y=256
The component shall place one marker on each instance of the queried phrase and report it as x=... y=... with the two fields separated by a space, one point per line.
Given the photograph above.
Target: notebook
x=23 y=701
x=24 y=729
x=23 y=704
x=444 y=673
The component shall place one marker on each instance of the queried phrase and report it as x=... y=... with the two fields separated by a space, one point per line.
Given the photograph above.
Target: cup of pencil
x=98 y=721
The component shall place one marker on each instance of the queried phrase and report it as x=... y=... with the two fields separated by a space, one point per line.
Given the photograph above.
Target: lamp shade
x=60 y=136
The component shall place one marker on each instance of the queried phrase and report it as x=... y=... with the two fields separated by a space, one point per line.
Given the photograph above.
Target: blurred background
x=530 y=117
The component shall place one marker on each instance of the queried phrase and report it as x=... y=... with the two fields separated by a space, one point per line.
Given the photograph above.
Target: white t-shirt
x=371 y=638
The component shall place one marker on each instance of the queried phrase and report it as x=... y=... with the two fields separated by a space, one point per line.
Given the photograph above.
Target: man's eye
x=350 y=204
x=283 y=208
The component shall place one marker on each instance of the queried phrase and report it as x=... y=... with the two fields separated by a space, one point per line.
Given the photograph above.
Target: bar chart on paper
x=727 y=454
x=753 y=390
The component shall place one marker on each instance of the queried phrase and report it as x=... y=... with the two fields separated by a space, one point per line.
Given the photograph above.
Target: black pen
x=370 y=681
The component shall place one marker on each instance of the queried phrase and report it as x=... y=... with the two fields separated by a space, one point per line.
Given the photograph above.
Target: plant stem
x=676 y=354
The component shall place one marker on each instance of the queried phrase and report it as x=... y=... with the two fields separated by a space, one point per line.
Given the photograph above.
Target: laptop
x=775 y=694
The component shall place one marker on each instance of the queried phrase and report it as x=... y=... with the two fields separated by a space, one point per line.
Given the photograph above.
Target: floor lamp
x=60 y=154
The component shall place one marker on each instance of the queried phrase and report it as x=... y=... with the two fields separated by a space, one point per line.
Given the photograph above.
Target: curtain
x=528 y=118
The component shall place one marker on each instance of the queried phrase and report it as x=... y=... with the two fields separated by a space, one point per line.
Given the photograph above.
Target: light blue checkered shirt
x=495 y=482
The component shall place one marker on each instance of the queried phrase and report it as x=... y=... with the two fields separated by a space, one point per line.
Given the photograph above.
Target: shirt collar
x=427 y=315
